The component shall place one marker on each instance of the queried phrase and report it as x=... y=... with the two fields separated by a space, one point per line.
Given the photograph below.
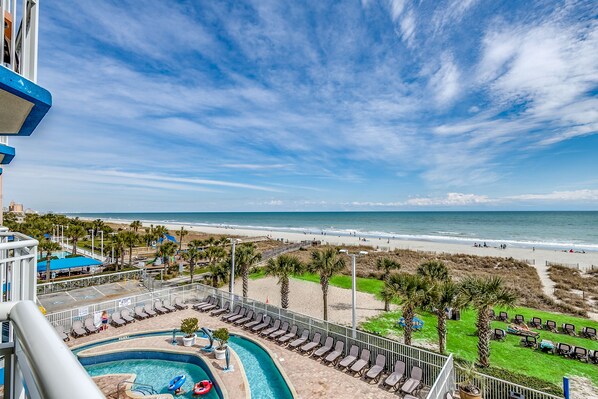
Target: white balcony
x=36 y=362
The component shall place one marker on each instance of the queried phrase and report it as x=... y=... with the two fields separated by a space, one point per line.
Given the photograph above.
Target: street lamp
x=102 y=245
x=353 y=287
x=92 y=234
x=233 y=241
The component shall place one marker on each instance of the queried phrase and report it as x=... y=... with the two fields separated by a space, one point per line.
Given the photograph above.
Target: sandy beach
x=536 y=257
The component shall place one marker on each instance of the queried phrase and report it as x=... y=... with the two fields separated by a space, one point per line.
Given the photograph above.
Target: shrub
x=189 y=326
x=222 y=336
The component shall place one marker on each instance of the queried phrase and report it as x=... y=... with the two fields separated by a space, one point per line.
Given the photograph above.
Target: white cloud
x=565 y=196
x=445 y=81
x=451 y=199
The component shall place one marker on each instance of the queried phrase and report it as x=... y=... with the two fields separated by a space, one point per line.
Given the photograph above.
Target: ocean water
x=554 y=230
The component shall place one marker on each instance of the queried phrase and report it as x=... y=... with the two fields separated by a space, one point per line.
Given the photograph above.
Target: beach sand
x=537 y=258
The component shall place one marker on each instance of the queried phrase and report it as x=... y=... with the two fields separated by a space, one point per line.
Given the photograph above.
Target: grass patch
x=531 y=368
x=508 y=355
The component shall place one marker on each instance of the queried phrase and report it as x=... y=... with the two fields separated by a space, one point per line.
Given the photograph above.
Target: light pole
x=102 y=245
x=233 y=241
x=353 y=288
x=92 y=234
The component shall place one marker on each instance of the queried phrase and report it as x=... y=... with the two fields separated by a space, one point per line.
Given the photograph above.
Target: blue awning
x=68 y=263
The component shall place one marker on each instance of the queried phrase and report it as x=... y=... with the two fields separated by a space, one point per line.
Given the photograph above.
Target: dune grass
x=462 y=341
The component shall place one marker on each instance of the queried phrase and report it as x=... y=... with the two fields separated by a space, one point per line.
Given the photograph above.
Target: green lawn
x=508 y=354
x=462 y=342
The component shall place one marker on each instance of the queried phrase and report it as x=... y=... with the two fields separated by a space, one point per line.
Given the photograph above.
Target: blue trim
x=41 y=98
x=8 y=152
x=153 y=355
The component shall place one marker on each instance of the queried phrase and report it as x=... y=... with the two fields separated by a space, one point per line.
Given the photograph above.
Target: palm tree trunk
x=386 y=299
x=191 y=270
x=483 y=338
x=325 y=298
x=441 y=327
x=74 y=246
x=245 y=271
x=48 y=270
x=130 y=255
x=408 y=316
x=284 y=292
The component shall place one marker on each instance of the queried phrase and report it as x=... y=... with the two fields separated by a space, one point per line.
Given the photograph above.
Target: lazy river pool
x=158 y=368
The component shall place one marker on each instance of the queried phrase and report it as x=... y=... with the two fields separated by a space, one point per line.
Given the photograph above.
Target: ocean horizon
x=560 y=230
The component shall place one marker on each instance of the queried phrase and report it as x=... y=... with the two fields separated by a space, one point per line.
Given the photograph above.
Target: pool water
x=265 y=380
x=156 y=373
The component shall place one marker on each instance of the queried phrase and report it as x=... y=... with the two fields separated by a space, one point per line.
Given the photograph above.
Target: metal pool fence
x=439 y=372
x=495 y=388
x=66 y=317
x=430 y=362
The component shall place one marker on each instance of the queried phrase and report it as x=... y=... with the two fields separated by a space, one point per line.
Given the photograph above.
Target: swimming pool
x=264 y=377
x=154 y=368
x=258 y=364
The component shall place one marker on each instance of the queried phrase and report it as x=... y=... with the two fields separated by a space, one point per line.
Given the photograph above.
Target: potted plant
x=189 y=327
x=467 y=390
x=222 y=336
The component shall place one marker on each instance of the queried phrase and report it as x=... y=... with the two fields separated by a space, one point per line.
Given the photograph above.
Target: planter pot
x=467 y=395
x=189 y=341
x=220 y=354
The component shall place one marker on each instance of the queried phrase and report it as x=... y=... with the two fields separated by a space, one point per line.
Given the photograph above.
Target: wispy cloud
x=254 y=101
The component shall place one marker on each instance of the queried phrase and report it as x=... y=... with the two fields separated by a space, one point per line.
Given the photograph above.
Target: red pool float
x=202 y=387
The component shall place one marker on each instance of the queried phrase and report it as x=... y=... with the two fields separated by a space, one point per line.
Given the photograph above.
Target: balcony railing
x=37 y=364
x=19 y=39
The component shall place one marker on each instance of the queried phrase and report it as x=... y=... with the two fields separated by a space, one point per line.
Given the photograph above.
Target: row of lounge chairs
x=324 y=349
x=120 y=318
x=550 y=325
x=562 y=349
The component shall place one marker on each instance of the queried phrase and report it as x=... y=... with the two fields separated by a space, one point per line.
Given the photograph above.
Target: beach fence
x=74 y=283
x=568 y=265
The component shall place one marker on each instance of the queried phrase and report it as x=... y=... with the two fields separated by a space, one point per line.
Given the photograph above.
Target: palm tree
x=97 y=225
x=246 y=256
x=410 y=289
x=387 y=265
x=326 y=263
x=441 y=296
x=282 y=267
x=48 y=247
x=192 y=255
x=433 y=270
x=118 y=244
x=75 y=233
x=135 y=225
x=160 y=231
x=130 y=239
x=167 y=250
x=214 y=254
x=483 y=294
x=182 y=233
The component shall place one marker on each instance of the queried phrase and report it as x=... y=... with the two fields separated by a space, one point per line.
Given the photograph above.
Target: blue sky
x=314 y=105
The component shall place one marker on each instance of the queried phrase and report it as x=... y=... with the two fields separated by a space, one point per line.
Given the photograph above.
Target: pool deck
x=310 y=378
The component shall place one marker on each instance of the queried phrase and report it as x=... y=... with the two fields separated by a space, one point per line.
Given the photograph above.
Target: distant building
x=15 y=208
